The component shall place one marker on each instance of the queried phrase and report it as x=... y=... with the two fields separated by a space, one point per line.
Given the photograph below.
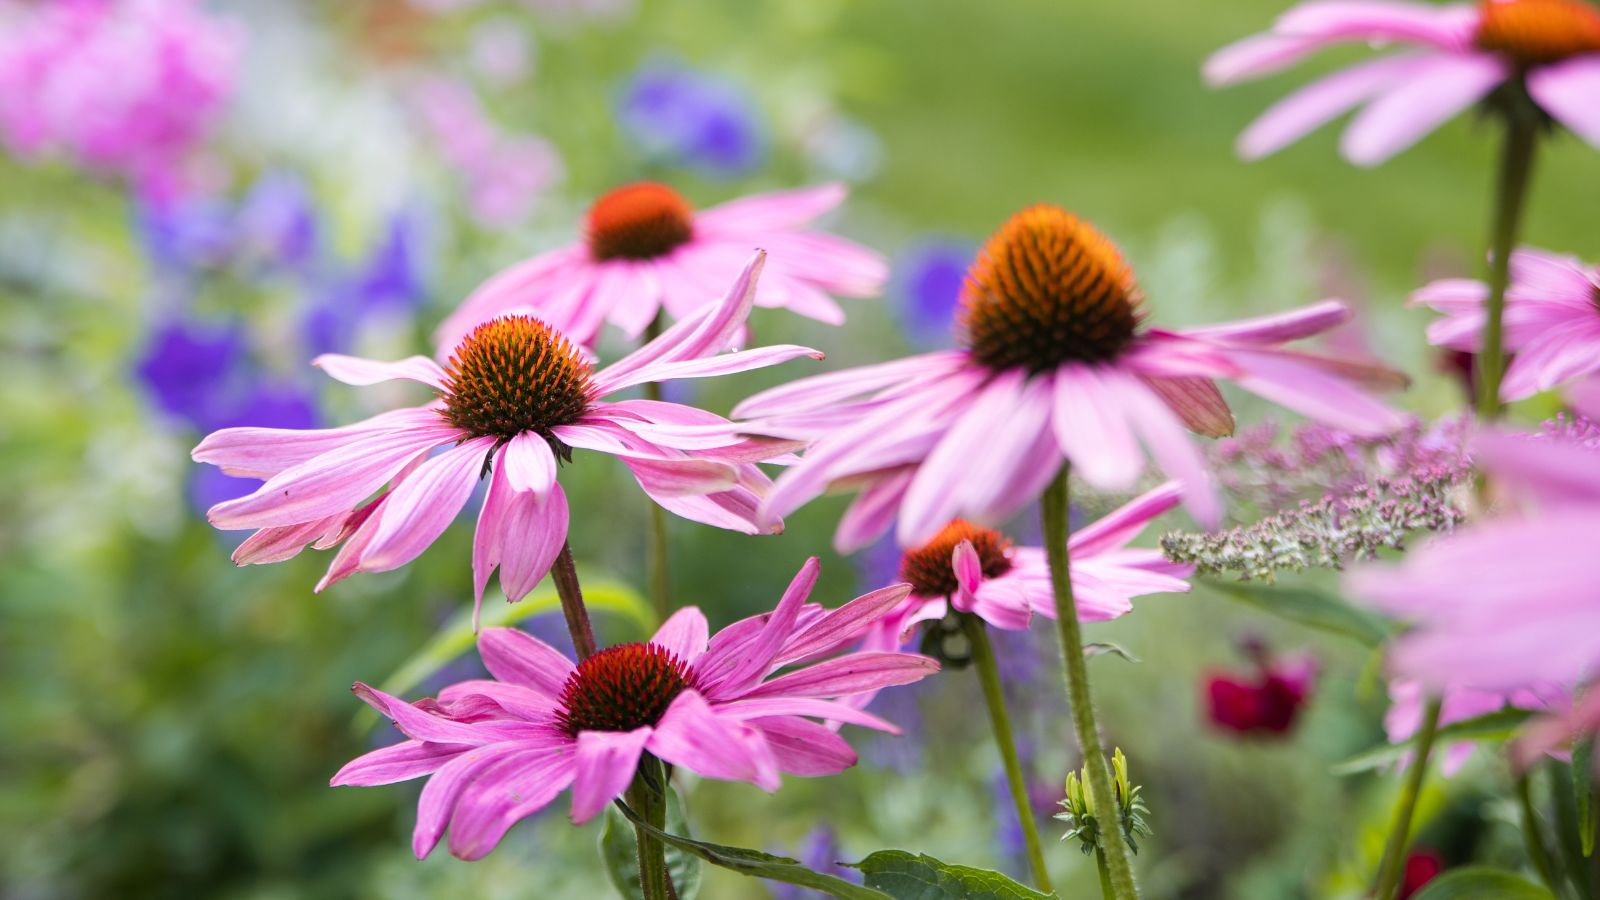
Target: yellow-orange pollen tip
x=639 y=221
x=929 y=571
x=515 y=374
x=1534 y=32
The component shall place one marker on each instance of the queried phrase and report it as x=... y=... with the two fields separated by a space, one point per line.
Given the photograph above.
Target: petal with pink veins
x=692 y=735
x=603 y=768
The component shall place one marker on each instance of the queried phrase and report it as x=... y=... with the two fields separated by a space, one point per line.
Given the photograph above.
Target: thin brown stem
x=565 y=575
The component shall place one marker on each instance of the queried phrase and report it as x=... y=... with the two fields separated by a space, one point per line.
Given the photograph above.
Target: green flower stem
x=1119 y=867
x=1511 y=190
x=1533 y=841
x=1106 y=890
x=656 y=555
x=647 y=796
x=1394 y=849
x=565 y=574
x=1005 y=740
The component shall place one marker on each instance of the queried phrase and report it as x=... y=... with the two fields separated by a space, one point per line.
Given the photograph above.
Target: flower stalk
x=1392 y=867
x=648 y=797
x=1522 y=122
x=565 y=574
x=1119 y=867
x=656 y=554
x=1005 y=740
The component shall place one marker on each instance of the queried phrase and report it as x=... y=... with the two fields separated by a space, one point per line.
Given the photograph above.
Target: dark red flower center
x=515 y=374
x=622 y=688
x=928 y=569
x=1531 y=32
x=639 y=221
x=1046 y=289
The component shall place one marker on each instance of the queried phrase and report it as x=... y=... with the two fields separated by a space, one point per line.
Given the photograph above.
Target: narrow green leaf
x=906 y=876
x=1583 y=788
x=757 y=864
x=1499 y=725
x=1308 y=606
x=1100 y=648
x=1482 y=883
x=619 y=850
x=456 y=637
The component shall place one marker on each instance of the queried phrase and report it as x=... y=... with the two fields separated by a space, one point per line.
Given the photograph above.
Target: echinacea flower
x=1455 y=56
x=500 y=750
x=977 y=570
x=646 y=250
x=514 y=398
x=1510 y=602
x=1057 y=366
x=1552 y=319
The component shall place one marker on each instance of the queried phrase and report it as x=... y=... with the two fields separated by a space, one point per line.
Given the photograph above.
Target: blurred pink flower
x=1512 y=602
x=500 y=750
x=978 y=571
x=1457 y=55
x=1406 y=701
x=504 y=175
x=645 y=251
x=1057 y=367
x=1265 y=702
x=122 y=87
x=515 y=398
x=1552 y=320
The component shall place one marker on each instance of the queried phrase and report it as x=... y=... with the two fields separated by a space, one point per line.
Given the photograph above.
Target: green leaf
x=1496 y=726
x=757 y=864
x=1583 y=787
x=1482 y=883
x=1100 y=648
x=619 y=850
x=1308 y=606
x=456 y=637
x=907 y=876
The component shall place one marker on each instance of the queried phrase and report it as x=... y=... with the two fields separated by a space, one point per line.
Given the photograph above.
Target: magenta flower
x=1511 y=602
x=1455 y=56
x=1552 y=320
x=499 y=751
x=978 y=571
x=1057 y=366
x=123 y=87
x=645 y=249
x=514 y=398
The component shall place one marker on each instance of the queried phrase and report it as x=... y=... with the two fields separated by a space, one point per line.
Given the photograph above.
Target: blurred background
x=197 y=198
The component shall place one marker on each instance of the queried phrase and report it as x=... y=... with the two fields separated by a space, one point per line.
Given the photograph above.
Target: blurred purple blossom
x=187 y=366
x=691 y=118
x=926 y=285
x=820 y=853
x=504 y=174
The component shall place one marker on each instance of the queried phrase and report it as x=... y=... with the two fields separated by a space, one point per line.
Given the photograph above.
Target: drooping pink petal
x=772 y=211
x=514 y=788
x=423 y=505
x=1255 y=56
x=488 y=539
x=936 y=493
x=603 y=768
x=840 y=626
x=820 y=391
x=684 y=634
x=1115 y=529
x=398 y=762
x=1197 y=401
x=264 y=452
x=1012 y=458
x=1092 y=427
x=1322 y=101
x=872 y=511
x=417 y=724
x=1553 y=358
x=270 y=545
x=530 y=464
x=515 y=656
x=1278 y=328
x=360 y=372
x=1302 y=385
x=440 y=794
x=852 y=674
x=1447 y=27
x=535 y=531
x=1552 y=472
x=692 y=735
x=520 y=701
x=805 y=748
x=1164 y=436
x=730 y=677
x=967 y=567
x=1566 y=90
x=1428 y=97
x=726 y=364
x=832 y=710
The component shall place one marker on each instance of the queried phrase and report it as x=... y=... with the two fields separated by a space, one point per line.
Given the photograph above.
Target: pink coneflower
x=1056 y=366
x=1407 y=699
x=977 y=570
x=1511 y=602
x=499 y=751
x=1457 y=55
x=514 y=398
x=645 y=250
x=1552 y=320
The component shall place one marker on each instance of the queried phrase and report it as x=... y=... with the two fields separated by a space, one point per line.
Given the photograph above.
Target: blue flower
x=691 y=118
x=188 y=366
x=928 y=276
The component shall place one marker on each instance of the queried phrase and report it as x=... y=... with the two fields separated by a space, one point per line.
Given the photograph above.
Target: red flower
x=1265 y=702
x=1422 y=866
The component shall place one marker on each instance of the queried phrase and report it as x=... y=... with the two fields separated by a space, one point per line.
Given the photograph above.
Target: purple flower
x=820 y=853
x=691 y=118
x=927 y=281
x=186 y=366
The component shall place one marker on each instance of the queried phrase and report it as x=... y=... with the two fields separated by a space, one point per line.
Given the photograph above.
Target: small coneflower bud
x=1046 y=289
x=622 y=688
x=638 y=221
x=929 y=571
x=1531 y=32
x=515 y=374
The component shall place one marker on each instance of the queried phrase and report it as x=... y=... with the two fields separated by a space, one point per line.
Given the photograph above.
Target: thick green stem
x=1511 y=190
x=647 y=796
x=656 y=555
x=1119 y=865
x=565 y=574
x=1533 y=839
x=1005 y=740
x=1394 y=849
x=1106 y=890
